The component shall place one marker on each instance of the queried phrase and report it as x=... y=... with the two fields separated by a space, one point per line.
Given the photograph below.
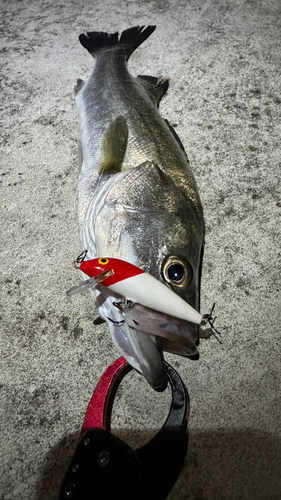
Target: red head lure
x=122 y=270
x=135 y=285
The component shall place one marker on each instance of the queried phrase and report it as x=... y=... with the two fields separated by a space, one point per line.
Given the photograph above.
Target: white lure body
x=148 y=291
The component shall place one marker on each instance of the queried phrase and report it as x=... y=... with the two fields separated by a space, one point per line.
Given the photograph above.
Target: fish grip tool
x=105 y=467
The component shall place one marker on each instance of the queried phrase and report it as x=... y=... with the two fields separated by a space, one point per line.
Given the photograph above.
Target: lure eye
x=103 y=262
x=176 y=271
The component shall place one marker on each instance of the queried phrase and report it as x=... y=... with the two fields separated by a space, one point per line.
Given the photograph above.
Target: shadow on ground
x=219 y=465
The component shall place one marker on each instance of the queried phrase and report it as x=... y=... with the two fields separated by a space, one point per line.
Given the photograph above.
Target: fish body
x=138 y=199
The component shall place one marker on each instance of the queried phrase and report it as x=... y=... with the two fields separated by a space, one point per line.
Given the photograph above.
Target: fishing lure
x=135 y=285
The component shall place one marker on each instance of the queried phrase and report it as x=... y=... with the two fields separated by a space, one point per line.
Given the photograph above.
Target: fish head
x=179 y=252
x=141 y=216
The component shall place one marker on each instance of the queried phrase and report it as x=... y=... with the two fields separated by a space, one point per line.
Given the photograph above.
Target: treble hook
x=208 y=319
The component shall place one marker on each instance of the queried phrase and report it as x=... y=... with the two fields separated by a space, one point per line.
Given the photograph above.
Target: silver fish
x=138 y=199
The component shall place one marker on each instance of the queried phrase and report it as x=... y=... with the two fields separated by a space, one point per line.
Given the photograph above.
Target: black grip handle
x=104 y=467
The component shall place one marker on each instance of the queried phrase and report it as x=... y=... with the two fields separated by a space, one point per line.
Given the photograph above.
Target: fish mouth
x=171 y=334
x=142 y=334
x=139 y=349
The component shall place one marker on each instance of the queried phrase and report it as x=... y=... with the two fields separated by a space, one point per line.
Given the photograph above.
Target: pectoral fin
x=80 y=83
x=114 y=146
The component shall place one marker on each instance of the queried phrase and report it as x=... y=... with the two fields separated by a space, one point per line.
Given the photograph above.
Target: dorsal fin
x=130 y=39
x=156 y=87
x=114 y=146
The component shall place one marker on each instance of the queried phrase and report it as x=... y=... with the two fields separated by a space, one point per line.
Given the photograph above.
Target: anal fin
x=114 y=146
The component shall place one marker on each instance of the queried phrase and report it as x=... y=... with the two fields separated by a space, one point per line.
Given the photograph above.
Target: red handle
x=99 y=410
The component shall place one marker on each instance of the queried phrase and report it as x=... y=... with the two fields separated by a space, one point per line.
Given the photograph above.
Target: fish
x=138 y=198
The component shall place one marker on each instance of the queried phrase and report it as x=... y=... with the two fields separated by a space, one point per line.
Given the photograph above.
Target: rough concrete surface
x=223 y=61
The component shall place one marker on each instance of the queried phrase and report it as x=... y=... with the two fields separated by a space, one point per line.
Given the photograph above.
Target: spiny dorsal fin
x=130 y=39
x=156 y=87
x=114 y=146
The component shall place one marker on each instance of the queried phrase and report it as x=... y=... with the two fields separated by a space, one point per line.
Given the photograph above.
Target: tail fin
x=130 y=39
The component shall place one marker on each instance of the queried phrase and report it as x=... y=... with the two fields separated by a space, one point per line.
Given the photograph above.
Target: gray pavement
x=223 y=60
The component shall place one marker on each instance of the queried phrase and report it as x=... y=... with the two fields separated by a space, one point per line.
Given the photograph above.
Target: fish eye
x=103 y=261
x=176 y=271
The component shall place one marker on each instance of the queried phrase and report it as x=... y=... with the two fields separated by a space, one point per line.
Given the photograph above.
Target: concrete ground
x=223 y=60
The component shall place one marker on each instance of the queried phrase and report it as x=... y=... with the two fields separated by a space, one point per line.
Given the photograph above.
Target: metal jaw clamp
x=105 y=467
